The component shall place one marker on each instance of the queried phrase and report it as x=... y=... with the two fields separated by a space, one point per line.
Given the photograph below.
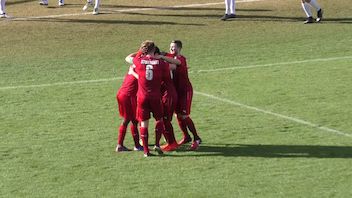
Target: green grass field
x=273 y=100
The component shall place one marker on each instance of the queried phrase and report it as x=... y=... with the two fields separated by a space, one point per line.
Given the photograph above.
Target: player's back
x=151 y=73
x=129 y=86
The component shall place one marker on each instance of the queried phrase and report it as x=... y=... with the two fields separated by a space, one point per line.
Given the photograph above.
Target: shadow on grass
x=272 y=151
x=19 y=2
x=112 y=21
x=247 y=17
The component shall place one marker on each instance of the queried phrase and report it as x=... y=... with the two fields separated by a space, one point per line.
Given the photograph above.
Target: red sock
x=191 y=127
x=169 y=132
x=144 y=137
x=183 y=127
x=121 y=136
x=135 y=135
x=159 y=129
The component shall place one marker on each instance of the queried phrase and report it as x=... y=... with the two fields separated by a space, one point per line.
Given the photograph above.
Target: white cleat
x=43 y=3
x=95 y=11
x=4 y=16
x=85 y=7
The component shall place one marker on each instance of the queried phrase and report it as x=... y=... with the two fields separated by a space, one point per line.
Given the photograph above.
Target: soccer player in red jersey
x=185 y=93
x=168 y=99
x=151 y=72
x=127 y=101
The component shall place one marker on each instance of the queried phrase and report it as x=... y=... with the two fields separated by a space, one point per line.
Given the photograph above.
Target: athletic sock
x=144 y=137
x=122 y=133
x=169 y=132
x=159 y=130
x=314 y=4
x=183 y=127
x=306 y=9
x=191 y=127
x=135 y=135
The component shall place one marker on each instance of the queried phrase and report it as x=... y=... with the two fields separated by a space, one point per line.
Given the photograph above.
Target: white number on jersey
x=149 y=72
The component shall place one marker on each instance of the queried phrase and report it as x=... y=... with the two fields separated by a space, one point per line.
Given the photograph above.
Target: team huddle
x=158 y=84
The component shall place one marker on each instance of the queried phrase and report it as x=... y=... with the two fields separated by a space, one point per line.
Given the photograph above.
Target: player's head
x=147 y=47
x=157 y=51
x=175 y=47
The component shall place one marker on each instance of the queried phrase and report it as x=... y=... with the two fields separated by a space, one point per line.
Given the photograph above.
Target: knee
x=181 y=117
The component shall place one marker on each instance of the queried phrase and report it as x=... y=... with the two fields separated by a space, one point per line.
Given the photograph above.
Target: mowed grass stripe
x=130 y=10
x=209 y=70
x=297 y=120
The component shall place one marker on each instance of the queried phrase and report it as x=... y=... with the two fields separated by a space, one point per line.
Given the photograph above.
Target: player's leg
x=86 y=6
x=2 y=9
x=135 y=135
x=157 y=109
x=144 y=137
x=307 y=11
x=229 y=10
x=96 y=7
x=143 y=115
x=121 y=136
x=169 y=105
x=134 y=125
x=61 y=3
x=317 y=7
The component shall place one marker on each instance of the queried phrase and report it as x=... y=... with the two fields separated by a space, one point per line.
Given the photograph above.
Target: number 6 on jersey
x=149 y=72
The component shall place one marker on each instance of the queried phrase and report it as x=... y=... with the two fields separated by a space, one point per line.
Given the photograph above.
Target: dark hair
x=178 y=43
x=157 y=50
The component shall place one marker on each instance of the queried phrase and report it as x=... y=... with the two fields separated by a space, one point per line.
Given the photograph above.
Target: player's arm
x=170 y=60
x=129 y=58
x=132 y=72
x=172 y=66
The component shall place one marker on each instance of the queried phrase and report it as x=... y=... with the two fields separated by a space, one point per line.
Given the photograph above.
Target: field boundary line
x=275 y=64
x=62 y=83
x=199 y=71
x=128 y=10
x=293 y=119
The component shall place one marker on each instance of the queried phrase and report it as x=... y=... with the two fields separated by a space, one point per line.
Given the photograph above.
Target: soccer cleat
x=85 y=7
x=185 y=140
x=120 y=148
x=4 y=15
x=228 y=16
x=43 y=3
x=138 y=148
x=309 y=20
x=170 y=147
x=148 y=155
x=195 y=145
x=158 y=149
x=95 y=11
x=319 y=15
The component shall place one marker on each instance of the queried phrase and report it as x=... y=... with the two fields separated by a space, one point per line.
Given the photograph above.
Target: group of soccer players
x=156 y=83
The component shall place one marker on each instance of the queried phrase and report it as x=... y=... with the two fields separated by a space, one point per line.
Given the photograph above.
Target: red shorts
x=145 y=106
x=184 y=101
x=169 y=105
x=127 y=106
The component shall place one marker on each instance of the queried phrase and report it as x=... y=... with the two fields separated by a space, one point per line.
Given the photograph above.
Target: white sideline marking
x=276 y=64
x=128 y=10
x=62 y=83
x=297 y=120
x=117 y=78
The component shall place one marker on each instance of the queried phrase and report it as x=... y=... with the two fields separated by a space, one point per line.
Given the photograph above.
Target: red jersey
x=180 y=75
x=151 y=73
x=129 y=86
